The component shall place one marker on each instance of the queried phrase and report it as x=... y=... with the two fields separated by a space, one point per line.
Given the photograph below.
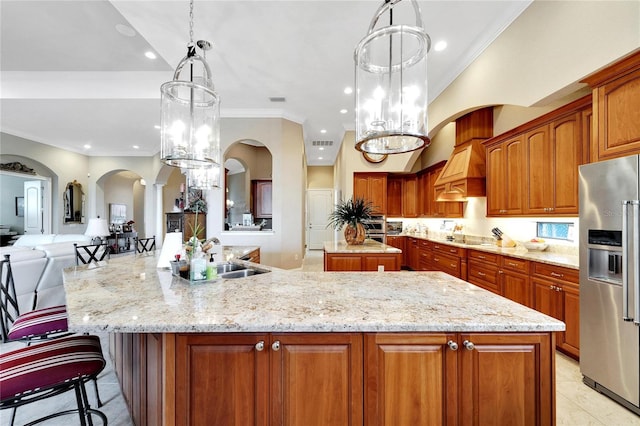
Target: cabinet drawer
x=425 y=260
x=446 y=249
x=556 y=272
x=518 y=265
x=484 y=275
x=482 y=256
x=424 y=244
x=448 y=264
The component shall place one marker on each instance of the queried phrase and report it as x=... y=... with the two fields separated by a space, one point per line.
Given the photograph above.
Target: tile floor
x=577 y=405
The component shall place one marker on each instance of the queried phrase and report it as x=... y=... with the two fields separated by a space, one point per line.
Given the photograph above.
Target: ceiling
x=74 y=73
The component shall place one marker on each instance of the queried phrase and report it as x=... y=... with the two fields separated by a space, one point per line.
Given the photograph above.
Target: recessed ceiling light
x=348 y=90
x=321 y=148
x=343 y=111
x=323 y=131
x=156 y=127
x=319 y=158
x=136 y=147
x=440 y=46
x=87 y=146
x=125 y=30
x=150 y=55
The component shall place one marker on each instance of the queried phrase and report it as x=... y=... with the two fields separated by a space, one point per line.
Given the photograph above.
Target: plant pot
x=354 y=235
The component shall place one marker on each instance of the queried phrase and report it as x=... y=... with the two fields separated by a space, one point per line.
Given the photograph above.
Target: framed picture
x=20 y=206
x=117 y=213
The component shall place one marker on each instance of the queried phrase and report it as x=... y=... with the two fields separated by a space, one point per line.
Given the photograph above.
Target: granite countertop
x=552 y=258
x=129 y=294
x=369 y=246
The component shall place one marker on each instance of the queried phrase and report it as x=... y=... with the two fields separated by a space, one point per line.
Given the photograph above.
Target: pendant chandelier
x=391 y=86
x=190 y=112
x=203 y=178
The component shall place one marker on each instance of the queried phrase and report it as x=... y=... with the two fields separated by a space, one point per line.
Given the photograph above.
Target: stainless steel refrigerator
x=610 y=278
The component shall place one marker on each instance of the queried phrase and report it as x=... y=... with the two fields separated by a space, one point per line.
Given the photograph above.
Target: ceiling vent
x=322 y=143
x=278 y=99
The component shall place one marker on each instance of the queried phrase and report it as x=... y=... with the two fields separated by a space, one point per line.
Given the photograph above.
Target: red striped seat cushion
x=45 y=365
x=39 y=322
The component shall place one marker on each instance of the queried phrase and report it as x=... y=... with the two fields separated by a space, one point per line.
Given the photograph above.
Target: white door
x=319 y=206
x=37 y=207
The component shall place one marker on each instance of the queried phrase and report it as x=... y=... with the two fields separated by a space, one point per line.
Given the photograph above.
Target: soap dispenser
x=212 y=268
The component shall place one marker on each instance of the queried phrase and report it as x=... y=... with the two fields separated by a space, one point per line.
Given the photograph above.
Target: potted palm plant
x=351 y=214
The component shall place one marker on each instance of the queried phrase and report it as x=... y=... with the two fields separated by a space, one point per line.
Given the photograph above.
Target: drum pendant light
x=190 y=112
x=391 y=86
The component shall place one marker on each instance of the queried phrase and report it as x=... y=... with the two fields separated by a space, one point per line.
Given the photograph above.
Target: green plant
x=350 y=212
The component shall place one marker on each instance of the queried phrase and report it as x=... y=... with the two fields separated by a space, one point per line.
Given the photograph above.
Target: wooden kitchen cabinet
x=189 y=219
x=515 y=282
x=399 y=242
x=372 y=187
x=554 y=152
x=450 y=259
x=413 y=254
x=557 y=294
x=442 y=208
x=505 y=163
x=425 y=256
x=483 y=270
x=459 y=379
x=410 y=201
x=262 y=191
x=394 y=196
x=616 y=109
x=362 y=262
x=247 y=379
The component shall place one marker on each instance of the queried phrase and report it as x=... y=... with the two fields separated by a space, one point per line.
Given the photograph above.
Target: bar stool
x=41 y=371
x=145 y=244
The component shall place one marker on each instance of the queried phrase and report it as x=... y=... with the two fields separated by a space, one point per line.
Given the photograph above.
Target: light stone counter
x=369 y=246
x=129 y=294
x=551 y=258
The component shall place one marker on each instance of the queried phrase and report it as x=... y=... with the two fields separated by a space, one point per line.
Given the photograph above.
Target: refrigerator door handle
x=625 y=258
x=636 y=267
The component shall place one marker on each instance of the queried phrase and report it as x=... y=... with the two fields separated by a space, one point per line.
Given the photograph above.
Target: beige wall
x=319 y=177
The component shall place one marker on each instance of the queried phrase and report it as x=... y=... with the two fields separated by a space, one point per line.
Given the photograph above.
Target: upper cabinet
x=533 y=170
x=372 y=187
x=616 y=109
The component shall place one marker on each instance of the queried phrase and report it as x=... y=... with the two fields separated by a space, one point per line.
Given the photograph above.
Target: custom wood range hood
x=464 y=174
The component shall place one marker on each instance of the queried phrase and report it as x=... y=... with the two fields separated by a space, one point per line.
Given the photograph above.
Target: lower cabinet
x=324 y=379
x=557 y=294
x=459 y=379
x=362 y=262
x=262 y=379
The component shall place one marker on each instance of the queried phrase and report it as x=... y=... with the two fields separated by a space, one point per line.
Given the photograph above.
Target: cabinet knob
x=555 y=274
x=276 y=345
x=260 y=346
x=482 y=274
x=469 y=345
x=452 y=345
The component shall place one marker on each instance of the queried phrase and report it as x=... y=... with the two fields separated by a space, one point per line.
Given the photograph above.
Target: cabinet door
x=394 y=197
x=546 y=298
x=569 y=340
x=517 y=287
x=316 y=379
x=424 y=194
x=361 y=186
x=514 y=167
x=409 y=196
x=539 y=193
x=414 y=254
x=221 y=379
x=484 y=275
x=263 y=204
x=342 y=262
x=496 y=176
x=446 y=263
x=378 y=193
x=566 y=138
x=410 y=380
x=389 y=262
x=507 y=379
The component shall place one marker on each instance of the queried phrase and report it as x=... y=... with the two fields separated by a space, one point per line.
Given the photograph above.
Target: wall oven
x=376 y=229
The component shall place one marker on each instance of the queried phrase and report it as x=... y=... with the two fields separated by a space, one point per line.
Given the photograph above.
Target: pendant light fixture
x=190 y=119
x=391 y=86
x=203 y=178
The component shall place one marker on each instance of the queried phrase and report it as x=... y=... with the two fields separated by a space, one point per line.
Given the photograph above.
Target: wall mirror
x=73 y=203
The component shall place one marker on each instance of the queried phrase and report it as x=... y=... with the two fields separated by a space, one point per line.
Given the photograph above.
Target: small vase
x=354 y=235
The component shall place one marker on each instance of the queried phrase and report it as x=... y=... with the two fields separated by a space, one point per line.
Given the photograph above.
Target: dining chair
x=144 y=245
x=33 y=373
x=91 y=253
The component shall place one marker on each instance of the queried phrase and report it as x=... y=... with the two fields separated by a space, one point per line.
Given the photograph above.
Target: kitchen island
x=290 y=347
x=370 y=256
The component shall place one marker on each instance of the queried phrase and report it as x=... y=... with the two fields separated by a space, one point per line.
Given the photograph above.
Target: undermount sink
x=241 y=273
x=234 y=270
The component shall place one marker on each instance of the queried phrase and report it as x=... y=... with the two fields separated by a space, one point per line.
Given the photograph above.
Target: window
x=557 y=230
